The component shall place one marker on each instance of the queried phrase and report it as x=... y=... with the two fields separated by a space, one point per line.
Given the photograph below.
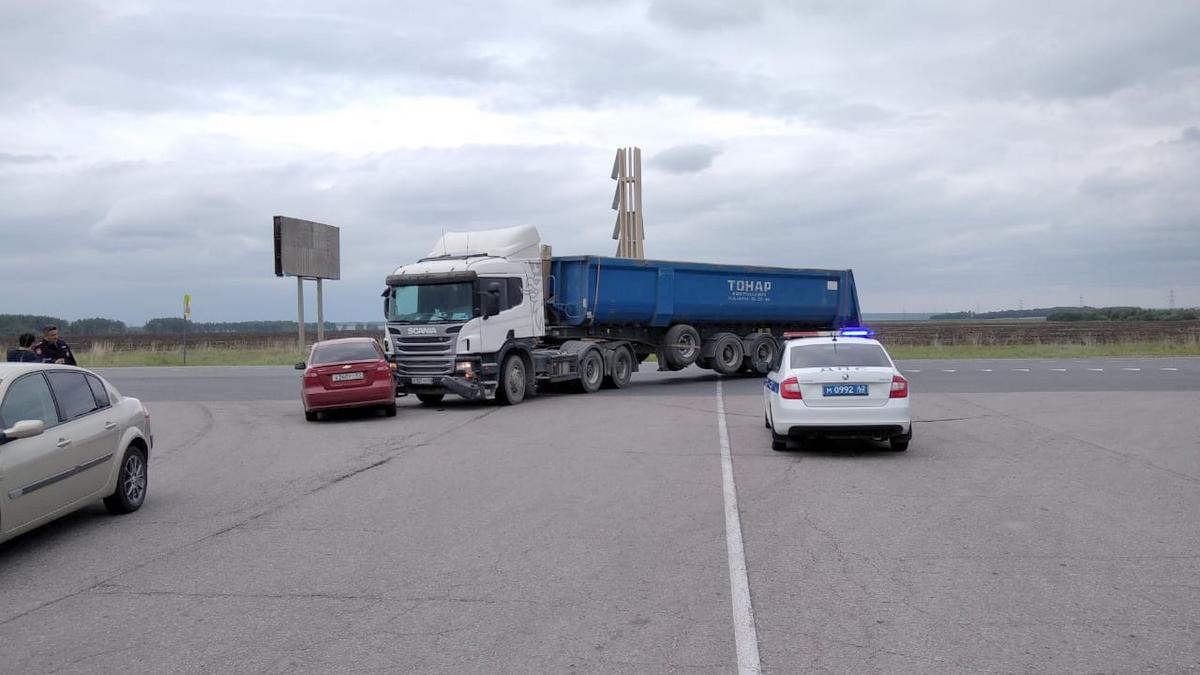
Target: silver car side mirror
x=24 y=429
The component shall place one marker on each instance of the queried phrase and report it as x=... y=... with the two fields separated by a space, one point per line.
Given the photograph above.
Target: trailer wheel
x=622 y=369
x=728 y=354
x=591 y=371
x=512 y=381
x=760 y=353
x=681 y=345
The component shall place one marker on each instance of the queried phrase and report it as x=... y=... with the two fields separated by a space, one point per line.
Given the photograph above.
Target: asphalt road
x=276 y=383
x=1041 y=521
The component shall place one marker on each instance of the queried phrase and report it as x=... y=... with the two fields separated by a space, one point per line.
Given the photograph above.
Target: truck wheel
x=622 y=369
x=681 y=345
x=512 y=381
x=591 y=371
x=760 y=353
x=430 y=399
x=728 y=354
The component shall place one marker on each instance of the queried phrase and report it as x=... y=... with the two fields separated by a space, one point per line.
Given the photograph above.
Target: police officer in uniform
x=53 y=350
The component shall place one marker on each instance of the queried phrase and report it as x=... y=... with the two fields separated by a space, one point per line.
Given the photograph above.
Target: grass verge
x=195 y=357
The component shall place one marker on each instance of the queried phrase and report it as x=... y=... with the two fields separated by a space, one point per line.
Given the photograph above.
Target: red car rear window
x=348 y=351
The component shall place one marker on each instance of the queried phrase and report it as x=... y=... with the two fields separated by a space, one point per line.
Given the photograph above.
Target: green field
x=195 y=357
x=276 y=356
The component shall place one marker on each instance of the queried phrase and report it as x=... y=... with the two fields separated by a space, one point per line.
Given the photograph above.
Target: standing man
x=24 y=353
x=54 y=350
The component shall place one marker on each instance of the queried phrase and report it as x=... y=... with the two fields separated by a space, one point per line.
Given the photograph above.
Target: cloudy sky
x=953 y=154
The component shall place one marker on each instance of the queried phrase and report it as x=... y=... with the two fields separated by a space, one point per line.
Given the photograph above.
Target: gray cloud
x=950 y=153
x=685 y=158
x=17 y=158
x=703 y=15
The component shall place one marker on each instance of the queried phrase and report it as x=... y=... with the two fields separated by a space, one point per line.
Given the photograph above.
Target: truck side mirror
x=490 y=299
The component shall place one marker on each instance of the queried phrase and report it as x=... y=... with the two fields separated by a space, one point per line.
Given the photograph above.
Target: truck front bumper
x=441 y=384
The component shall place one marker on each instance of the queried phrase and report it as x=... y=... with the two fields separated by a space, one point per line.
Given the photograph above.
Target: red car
x=346 y=373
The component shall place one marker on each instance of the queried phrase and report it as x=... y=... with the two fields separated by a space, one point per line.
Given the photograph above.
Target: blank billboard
x=307 y=249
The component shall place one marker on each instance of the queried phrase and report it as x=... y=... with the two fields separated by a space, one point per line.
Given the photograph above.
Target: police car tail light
x=790 y=388
x=899 y=387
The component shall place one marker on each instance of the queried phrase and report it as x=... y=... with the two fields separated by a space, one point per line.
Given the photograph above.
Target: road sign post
x=187 y=312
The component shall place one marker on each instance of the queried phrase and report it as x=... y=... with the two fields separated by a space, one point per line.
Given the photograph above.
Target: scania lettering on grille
x=422 y=330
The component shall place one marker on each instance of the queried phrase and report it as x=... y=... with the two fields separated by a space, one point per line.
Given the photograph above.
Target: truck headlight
x=466 y=369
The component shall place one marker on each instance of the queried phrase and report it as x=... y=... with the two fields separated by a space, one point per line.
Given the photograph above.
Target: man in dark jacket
x=24 y=353
x=52 y=349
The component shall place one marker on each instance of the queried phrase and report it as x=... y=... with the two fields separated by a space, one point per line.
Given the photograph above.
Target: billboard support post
x=300 y=312
x=320 y=312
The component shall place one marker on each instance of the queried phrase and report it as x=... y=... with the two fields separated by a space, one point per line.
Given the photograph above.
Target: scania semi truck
x=492 y=316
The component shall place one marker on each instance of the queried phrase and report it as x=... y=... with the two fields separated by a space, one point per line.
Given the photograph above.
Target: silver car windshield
x=432 y=303
x=831 y=355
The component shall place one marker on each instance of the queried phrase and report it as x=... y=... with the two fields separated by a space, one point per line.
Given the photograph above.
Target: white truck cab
x=453 y=316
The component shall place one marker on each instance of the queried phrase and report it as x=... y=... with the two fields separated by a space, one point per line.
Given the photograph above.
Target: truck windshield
x=432 y=303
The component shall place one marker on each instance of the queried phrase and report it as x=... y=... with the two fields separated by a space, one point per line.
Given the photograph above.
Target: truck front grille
x=424 y=354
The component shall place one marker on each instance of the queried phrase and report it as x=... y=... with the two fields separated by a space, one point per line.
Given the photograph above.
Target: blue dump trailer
x=491 y=315
x=598 y=291
x=730 y=318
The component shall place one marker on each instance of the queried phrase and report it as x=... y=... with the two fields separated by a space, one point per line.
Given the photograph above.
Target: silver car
x=69 y=438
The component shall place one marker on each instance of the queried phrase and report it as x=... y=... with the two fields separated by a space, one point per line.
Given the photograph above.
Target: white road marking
x=1096 y=370
x=745 y=635
x=1020 y=370
x=985 y=370
x=914 y=370
x=949 y=370
x=1132 y=370
x=1168 y=369
x=1059 y=370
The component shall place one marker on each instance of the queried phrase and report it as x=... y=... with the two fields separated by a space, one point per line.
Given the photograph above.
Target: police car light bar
x=845 y=332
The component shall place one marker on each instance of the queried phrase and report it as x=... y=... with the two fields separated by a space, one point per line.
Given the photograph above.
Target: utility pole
x=1171 y=301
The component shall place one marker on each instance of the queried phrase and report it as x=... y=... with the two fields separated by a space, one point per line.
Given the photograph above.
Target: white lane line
x=1132 y=370
x=745 y=635
x=914 y=370
x=1059 y=370
x=1020 y=370
x=1096 y=370
x=949 y=370
x=985 y=370
x=1168 y=369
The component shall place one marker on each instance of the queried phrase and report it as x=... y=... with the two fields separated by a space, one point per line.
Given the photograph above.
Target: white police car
x=836 y=385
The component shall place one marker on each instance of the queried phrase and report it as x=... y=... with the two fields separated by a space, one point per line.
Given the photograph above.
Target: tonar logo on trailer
x=749 y=290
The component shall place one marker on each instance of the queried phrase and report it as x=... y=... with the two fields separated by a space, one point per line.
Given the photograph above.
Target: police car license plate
x=422 y=380
x=343 y=377
x=845 y=390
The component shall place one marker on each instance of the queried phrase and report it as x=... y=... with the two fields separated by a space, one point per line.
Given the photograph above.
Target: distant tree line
x=1039 y=313
x=1124 y=314
x=1078 y=314
x=15 y=324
